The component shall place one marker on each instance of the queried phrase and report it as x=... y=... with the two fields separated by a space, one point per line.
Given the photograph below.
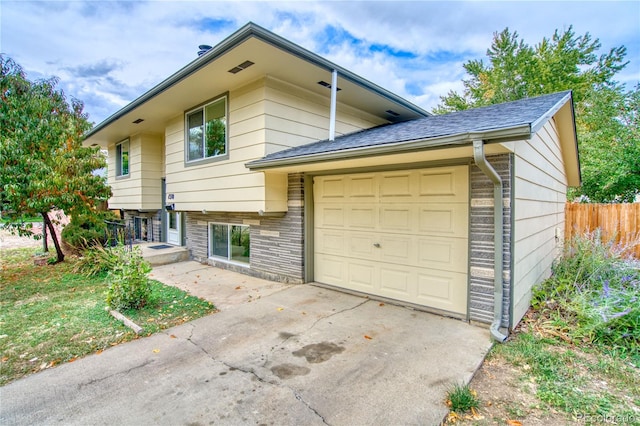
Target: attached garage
x=402 y=235
x=458 y=213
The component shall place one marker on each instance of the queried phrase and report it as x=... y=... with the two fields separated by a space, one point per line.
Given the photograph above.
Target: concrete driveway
x=295 y=355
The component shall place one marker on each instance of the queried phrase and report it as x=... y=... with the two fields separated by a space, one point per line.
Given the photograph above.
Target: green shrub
x=593 y=296
x=96 y=260
x=87 y=229
x=129 y=286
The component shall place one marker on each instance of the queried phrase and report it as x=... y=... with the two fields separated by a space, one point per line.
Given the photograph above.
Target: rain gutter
x=498 y=257
x=490 y=136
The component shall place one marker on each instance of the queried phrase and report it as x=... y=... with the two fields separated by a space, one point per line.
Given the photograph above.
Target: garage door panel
x=396 y=185
x=396 y=282
x=444 y=219
x=397 y=249
x=362 y=216
x=330 y=189
x=449 y=254
x=362 y=245
x=330 y=216
x=444 y=185
x=330 y=269
x=330 y=242
x=362 y=187
x=397 y=218
x=362 y=276
x=446 y=291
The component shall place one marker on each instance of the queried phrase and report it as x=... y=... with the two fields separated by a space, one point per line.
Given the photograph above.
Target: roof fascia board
x=537 y=125
x=227 y=44
x=242 y=34
x=307 y=55
x=495 y=136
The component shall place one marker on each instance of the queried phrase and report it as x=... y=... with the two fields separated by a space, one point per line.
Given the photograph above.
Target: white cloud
x=107 y=53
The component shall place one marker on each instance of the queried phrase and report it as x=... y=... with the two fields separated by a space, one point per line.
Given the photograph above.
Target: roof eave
x=536 y=125
x=491 y=136
x=244 y=33
x=193 y=66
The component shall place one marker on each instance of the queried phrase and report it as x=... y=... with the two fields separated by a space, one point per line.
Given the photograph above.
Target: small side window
x=122 y=158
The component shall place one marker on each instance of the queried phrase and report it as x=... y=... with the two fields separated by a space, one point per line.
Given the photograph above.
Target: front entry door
x=174 y=228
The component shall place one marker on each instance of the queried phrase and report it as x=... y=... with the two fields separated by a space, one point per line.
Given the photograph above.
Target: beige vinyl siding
x=295 y=116
x=142 y=189
x=265 y=116
x=540 y=195
x=224 y=184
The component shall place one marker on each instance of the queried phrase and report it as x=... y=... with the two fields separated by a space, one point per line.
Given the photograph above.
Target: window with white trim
x=206 y=131
x=229 y=242
x=122 y=158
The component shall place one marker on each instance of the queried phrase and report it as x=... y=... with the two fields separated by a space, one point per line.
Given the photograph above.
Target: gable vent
x=242 y=66
x=327 y=85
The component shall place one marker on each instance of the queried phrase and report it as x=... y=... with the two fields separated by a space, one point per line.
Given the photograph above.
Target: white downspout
x=332 y=114
x=498 y=257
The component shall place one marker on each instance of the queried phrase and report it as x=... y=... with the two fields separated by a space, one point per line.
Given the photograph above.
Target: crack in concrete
x=322 y=319
x=226 y=364
x=306 y=404
x=337 y=313
x=118 y=373
x=257 y=376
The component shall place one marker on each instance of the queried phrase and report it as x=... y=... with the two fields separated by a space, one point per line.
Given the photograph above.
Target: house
x=264 y=158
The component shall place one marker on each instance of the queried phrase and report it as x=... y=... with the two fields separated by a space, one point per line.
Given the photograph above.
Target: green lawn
x=579 y=381
x=50 y=315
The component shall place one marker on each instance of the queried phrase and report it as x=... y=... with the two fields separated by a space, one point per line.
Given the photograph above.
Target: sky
x=108 y=53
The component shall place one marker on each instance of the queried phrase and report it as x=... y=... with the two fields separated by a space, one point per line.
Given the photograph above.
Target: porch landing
x=163 y=253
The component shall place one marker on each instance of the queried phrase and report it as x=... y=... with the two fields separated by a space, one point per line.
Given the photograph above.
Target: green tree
x=44 y=165
x=606 y=116
x=516 y=70
x=609 y=129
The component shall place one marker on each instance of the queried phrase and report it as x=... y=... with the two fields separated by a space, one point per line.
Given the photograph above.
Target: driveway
x=292 y=355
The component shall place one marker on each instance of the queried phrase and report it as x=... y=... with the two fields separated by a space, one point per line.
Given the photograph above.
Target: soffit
x=213 y=79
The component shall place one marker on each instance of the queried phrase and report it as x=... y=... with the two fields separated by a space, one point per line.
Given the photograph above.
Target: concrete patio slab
x=296 y=355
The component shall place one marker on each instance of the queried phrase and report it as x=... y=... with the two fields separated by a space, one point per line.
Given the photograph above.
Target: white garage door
x=401 y=235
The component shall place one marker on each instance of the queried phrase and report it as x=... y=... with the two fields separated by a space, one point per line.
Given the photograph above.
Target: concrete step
x=162 y=254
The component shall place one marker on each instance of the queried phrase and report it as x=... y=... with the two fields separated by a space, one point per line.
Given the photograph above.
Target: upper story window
x=122 y=158
x=207 y=131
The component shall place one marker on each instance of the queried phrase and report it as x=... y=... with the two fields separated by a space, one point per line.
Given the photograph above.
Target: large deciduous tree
x=606 y=115
x=44 y=165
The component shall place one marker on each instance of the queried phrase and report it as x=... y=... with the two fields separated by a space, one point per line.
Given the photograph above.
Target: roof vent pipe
x=498 y=256
x=332 y=114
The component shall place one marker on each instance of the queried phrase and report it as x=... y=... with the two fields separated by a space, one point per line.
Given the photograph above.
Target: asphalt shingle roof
x=493 y=117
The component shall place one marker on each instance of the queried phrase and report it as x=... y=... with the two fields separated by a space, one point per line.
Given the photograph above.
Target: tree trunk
x=45 y=243
x=54 y=236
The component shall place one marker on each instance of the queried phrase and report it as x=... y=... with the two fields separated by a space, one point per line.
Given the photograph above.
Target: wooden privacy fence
x=617 y=222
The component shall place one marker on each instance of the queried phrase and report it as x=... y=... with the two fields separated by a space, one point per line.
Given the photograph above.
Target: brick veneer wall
x=481 y=274
x=277 y=242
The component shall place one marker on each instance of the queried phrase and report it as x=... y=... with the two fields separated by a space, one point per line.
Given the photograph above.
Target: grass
x=582 y=344
x=50 y=315
x=24 y=219
x=462 y=399
x=574 y=381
